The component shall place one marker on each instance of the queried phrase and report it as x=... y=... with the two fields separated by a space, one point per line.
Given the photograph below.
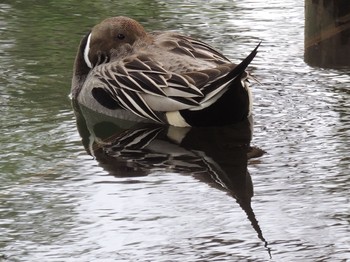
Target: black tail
x=233 y=106
x=239 y=69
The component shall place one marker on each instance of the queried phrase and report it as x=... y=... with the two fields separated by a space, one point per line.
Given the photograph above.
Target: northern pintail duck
x=120 y=69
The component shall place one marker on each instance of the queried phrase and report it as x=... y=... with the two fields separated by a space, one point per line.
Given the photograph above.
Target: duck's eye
x=120 y=36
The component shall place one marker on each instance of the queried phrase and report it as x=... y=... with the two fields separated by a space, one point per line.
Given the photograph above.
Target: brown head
x=112 y=36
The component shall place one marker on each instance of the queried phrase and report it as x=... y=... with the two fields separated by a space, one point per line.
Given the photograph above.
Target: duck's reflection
x=216 y=156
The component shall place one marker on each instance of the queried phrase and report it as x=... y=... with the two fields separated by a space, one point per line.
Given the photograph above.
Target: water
x=57 y=203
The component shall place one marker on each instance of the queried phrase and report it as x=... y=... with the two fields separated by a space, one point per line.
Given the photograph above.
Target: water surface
x=58 y=203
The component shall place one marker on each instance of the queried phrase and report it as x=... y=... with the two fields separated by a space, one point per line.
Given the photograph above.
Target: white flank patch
x=175 y=119
x=245 y=84
x=86 y=52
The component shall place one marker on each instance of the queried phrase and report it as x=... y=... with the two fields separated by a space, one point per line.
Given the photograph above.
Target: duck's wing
x=144 y=87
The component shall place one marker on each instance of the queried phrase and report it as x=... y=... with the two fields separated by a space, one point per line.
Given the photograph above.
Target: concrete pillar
x=327 y=33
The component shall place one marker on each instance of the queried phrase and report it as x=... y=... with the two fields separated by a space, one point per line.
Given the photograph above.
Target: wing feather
x=136 y=64
x=136 y=104
x=150 y=79
x=147 y=83
x=145 y=87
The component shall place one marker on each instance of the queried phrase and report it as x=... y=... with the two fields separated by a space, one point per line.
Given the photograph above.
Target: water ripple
x=58 y=203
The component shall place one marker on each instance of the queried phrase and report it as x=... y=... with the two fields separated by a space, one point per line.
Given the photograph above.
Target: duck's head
x=112 y=37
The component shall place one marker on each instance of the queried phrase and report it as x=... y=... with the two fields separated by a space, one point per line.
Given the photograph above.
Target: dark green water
x=57 y=203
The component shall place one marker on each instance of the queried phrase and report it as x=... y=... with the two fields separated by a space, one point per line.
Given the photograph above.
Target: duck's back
x=181 y=54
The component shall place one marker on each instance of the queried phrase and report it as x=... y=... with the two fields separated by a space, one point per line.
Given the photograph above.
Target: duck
x=123 y=71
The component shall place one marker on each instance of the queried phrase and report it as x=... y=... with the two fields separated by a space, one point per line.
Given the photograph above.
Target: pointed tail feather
x=240 y=68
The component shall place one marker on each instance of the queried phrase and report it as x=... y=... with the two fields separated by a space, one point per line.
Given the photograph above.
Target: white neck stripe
x=86 y=52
